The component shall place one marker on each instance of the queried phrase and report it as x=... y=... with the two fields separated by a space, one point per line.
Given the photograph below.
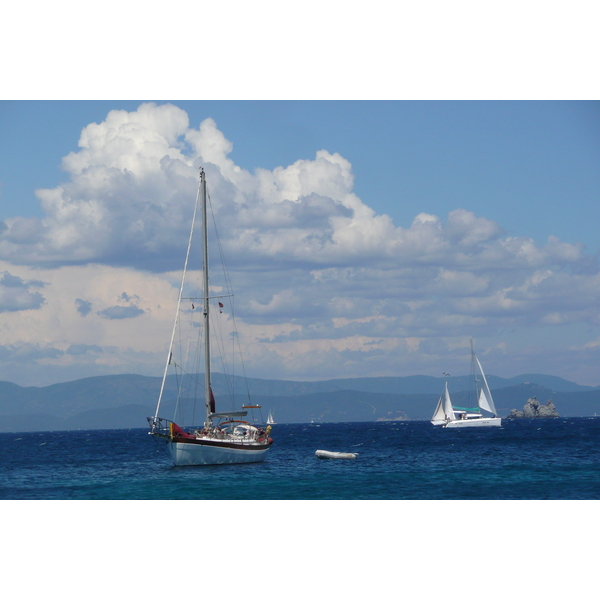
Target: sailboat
x=225 y=437
x=447 y=415
x=270 y=419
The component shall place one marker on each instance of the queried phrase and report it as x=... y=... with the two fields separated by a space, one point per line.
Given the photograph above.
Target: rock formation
x=534 y=410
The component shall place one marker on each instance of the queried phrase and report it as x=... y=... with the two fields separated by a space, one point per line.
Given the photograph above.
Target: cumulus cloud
x=56 y=334
x=128 y=201
x=321 y=280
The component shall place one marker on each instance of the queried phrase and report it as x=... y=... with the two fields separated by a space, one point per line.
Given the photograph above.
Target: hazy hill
x=124 y=401
x=412 y=384
x=352 y=405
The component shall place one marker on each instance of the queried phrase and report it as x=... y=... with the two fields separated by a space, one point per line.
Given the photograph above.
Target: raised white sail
x=486 y=402
x=439 y=416
x=444 y=412
x=450 y=416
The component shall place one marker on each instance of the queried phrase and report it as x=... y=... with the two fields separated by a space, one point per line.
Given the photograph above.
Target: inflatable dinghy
x=327 y=454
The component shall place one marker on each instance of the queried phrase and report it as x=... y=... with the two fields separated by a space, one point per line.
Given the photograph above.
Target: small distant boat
x=270 y=419
x=447 y=415
x=327 y=454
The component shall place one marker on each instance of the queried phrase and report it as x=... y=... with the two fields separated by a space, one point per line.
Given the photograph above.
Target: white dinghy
x=328 y=454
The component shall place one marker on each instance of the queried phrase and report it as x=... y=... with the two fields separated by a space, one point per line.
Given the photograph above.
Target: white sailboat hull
x=482 y=422
x=191 y=454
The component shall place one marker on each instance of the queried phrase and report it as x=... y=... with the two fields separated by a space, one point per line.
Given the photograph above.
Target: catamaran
x=225 y=437
x=484 y=415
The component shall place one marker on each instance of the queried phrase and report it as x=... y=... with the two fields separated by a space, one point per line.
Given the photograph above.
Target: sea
x=543 y=459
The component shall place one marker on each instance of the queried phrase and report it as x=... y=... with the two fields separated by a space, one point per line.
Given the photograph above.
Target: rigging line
x=227 y=371
x=177 y=398
x=229 y=289
x=190 y=375
x=242 y=364
x=228 y=285
x=197 y=362
x=240 y=354
x=188 y=359
x=227 y=281
x=225 y=270
x=183 y=383
x=176 y=373
x=190 y=363
x=183 y=352
x=187 y=256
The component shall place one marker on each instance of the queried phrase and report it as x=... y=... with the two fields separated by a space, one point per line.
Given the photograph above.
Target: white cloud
x=76 y=298
x=467 y=230
x=325 y=286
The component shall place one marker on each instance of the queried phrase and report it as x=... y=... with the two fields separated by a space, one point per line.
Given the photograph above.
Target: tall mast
x=207 y=392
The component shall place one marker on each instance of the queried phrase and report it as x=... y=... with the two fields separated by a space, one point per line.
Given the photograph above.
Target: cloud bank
x=325 y=286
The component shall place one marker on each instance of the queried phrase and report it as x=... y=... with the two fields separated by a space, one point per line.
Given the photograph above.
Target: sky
x=363 y=238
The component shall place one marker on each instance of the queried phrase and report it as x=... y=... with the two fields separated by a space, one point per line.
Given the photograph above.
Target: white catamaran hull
x=483 y=422
x=190 y=454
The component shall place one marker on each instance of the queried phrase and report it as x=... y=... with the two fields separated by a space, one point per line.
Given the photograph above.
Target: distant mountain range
x=124 y=401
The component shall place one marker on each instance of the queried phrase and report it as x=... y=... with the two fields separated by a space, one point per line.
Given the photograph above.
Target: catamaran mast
x=207 y=391
x=474 y=372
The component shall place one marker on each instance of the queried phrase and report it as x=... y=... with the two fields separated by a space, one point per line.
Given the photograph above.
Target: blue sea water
x=402 y=460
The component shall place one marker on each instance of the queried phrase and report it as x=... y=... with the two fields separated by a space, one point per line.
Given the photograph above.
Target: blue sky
x=472 y=219
x=533 y=165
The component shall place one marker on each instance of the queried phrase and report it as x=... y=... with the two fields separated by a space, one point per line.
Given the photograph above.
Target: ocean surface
x=556 y=459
